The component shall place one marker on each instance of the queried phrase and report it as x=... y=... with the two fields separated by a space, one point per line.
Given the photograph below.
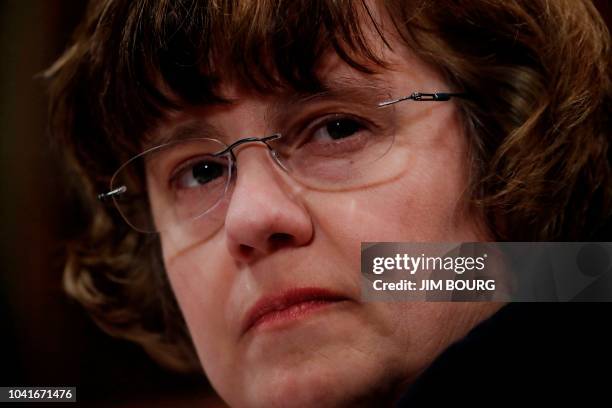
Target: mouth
x=289 y=306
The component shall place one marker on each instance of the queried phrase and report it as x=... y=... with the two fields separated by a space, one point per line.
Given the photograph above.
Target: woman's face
x=296 y=251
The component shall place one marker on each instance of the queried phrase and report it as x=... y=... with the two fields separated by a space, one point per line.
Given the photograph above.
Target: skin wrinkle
x=359 y=353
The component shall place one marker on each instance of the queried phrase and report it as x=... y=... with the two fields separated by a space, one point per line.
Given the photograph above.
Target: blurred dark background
x=47 y=340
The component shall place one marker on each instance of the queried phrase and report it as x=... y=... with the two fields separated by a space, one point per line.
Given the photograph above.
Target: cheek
x=202 y=293
x=427 y=204
x=424 y=204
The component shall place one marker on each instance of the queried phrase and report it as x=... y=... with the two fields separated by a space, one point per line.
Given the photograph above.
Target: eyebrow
x=366 y=92
x=339 y=89
x=195 y=128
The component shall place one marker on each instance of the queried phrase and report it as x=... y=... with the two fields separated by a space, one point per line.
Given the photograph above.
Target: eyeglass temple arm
x=108 y=195
x=419 y=96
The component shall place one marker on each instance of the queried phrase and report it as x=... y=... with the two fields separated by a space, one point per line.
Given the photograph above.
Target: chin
x=321 y=381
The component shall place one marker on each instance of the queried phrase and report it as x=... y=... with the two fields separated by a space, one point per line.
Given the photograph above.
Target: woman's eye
x=199 y=173
x=337 y=129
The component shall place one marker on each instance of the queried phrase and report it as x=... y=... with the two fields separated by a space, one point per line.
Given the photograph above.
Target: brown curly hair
x=538 y=120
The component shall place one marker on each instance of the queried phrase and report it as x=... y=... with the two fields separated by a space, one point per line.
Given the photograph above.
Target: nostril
x=280 y=239
x=246 y=250
x=275 y=241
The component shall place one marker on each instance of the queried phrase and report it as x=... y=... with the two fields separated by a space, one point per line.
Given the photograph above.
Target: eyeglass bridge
x=237 y=143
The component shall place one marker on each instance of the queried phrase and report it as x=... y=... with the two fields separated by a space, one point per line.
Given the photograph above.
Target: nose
x=265 y=212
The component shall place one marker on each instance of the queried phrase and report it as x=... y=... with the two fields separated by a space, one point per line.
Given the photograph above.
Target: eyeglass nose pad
x=278 y=161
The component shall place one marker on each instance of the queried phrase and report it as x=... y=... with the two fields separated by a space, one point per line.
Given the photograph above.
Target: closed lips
x=288 y=304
